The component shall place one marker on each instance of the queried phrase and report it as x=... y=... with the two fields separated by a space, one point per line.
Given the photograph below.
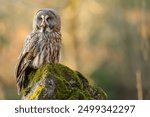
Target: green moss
x=80 y=95
x=62 y=89
x=35 y=76
x=69 y=84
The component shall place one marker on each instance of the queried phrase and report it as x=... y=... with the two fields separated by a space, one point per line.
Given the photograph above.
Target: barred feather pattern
x=47 y=50
x=40 y=48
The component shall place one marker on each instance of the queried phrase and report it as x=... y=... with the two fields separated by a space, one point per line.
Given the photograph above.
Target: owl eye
x=49 y=18
x=39 y=18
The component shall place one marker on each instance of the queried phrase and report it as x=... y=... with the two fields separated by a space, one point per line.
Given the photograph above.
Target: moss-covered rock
x=56 y=81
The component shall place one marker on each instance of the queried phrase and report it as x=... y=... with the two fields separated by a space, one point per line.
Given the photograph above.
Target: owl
x=42 y=45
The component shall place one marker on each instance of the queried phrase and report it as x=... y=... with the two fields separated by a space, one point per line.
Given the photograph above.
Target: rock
x=56 y=81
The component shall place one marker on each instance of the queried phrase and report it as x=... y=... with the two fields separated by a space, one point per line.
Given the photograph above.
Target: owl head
x=46 y=20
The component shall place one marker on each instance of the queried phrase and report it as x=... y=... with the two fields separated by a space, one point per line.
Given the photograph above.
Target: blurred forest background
x=106 y=40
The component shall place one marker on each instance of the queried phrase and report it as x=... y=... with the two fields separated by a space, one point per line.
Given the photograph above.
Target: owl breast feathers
x=42 y=46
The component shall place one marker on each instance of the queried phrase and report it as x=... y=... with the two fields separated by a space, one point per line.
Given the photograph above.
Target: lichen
x=36 y=93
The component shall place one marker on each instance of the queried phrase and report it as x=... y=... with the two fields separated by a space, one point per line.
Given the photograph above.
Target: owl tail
x=20 y=82
x=22 y=76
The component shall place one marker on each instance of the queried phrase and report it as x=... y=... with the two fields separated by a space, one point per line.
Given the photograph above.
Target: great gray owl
x=42 y=45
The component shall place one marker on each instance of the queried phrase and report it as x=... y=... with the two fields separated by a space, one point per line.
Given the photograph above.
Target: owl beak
x=43 y=24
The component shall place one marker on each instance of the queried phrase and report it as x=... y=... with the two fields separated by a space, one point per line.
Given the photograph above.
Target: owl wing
x=24 y=62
